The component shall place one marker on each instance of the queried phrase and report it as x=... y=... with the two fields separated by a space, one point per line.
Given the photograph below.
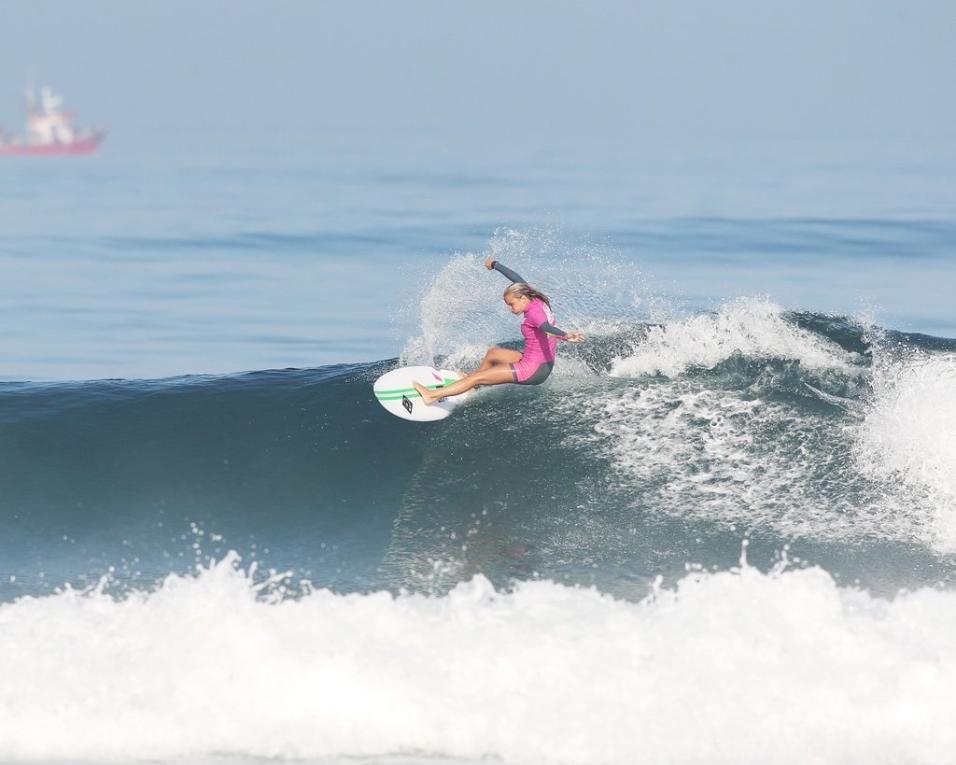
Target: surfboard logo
x=407 y=404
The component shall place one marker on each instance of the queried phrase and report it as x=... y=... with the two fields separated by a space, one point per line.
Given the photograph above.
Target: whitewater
x=737 y=666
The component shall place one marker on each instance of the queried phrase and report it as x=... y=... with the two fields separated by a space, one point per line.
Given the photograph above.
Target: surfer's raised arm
x=492 y=264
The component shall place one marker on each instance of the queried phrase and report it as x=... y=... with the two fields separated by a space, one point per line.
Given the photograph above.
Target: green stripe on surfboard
x=410 y=393
x=397 y=393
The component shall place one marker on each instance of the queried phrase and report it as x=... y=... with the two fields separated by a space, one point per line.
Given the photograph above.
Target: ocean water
x=723 y=531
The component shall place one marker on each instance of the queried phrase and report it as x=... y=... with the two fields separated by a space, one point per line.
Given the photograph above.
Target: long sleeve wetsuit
x=540 y=337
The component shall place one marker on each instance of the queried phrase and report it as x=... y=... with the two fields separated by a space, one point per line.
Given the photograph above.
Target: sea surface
x=724 y=531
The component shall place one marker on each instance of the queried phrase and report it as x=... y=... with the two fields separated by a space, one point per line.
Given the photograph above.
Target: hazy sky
x=738 y=67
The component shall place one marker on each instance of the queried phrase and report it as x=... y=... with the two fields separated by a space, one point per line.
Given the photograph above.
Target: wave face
x=653 y=445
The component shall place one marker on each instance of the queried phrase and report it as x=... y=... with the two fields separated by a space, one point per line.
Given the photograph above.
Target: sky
x=742 y=68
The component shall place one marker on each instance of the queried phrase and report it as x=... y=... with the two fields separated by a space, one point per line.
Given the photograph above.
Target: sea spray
x=908 y=438
x=460 y=311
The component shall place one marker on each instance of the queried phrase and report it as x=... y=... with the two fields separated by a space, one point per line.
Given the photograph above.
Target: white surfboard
x=394 y=391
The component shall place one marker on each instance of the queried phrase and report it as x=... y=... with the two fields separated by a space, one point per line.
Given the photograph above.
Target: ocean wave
x=810 y=430
x=750 y=327
x=736 y=459
x=844 y=450
x=734 y=666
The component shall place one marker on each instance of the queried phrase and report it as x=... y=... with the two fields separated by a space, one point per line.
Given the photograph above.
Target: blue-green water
x=750 y=460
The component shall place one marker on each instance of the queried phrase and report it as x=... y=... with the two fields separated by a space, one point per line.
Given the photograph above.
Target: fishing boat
x=50 y=130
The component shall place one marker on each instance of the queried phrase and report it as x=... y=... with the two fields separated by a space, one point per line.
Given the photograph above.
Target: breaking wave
x=730 y=667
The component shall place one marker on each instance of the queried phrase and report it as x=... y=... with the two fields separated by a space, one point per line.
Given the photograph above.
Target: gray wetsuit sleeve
x=508 y=273
x=552 y=330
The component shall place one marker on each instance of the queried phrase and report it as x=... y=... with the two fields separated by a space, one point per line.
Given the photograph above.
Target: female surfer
x=501 y=365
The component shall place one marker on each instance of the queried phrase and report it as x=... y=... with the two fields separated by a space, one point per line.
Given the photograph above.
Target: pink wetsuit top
x=540 y=337
x=539 y=346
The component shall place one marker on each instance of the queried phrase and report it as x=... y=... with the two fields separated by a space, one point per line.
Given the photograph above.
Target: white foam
x=728 y=457
x=909 y=435
x=748 y=326
x=745 y=459
x=735 y=667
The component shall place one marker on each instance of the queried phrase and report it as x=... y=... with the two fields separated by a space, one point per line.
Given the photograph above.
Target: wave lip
x=733 y=667
x=746 y=326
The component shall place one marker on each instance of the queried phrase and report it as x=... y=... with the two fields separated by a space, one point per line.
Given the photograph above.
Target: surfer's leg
x=495 y=376
x=496 y=355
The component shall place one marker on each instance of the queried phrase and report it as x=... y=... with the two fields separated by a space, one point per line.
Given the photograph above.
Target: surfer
x=501 y=365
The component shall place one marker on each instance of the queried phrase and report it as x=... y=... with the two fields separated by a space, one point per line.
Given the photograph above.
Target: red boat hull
x=86 y=145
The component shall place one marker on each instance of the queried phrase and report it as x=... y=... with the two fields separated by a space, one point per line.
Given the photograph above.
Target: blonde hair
x=526 y=290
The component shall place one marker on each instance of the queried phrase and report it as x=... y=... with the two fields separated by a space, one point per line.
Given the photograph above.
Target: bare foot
x=427 y=396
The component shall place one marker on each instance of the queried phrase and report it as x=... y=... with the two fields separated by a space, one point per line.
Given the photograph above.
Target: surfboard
x=394 y=391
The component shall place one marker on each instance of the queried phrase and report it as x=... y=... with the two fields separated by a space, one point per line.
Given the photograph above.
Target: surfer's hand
x=490 y=264
x=575 y=337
